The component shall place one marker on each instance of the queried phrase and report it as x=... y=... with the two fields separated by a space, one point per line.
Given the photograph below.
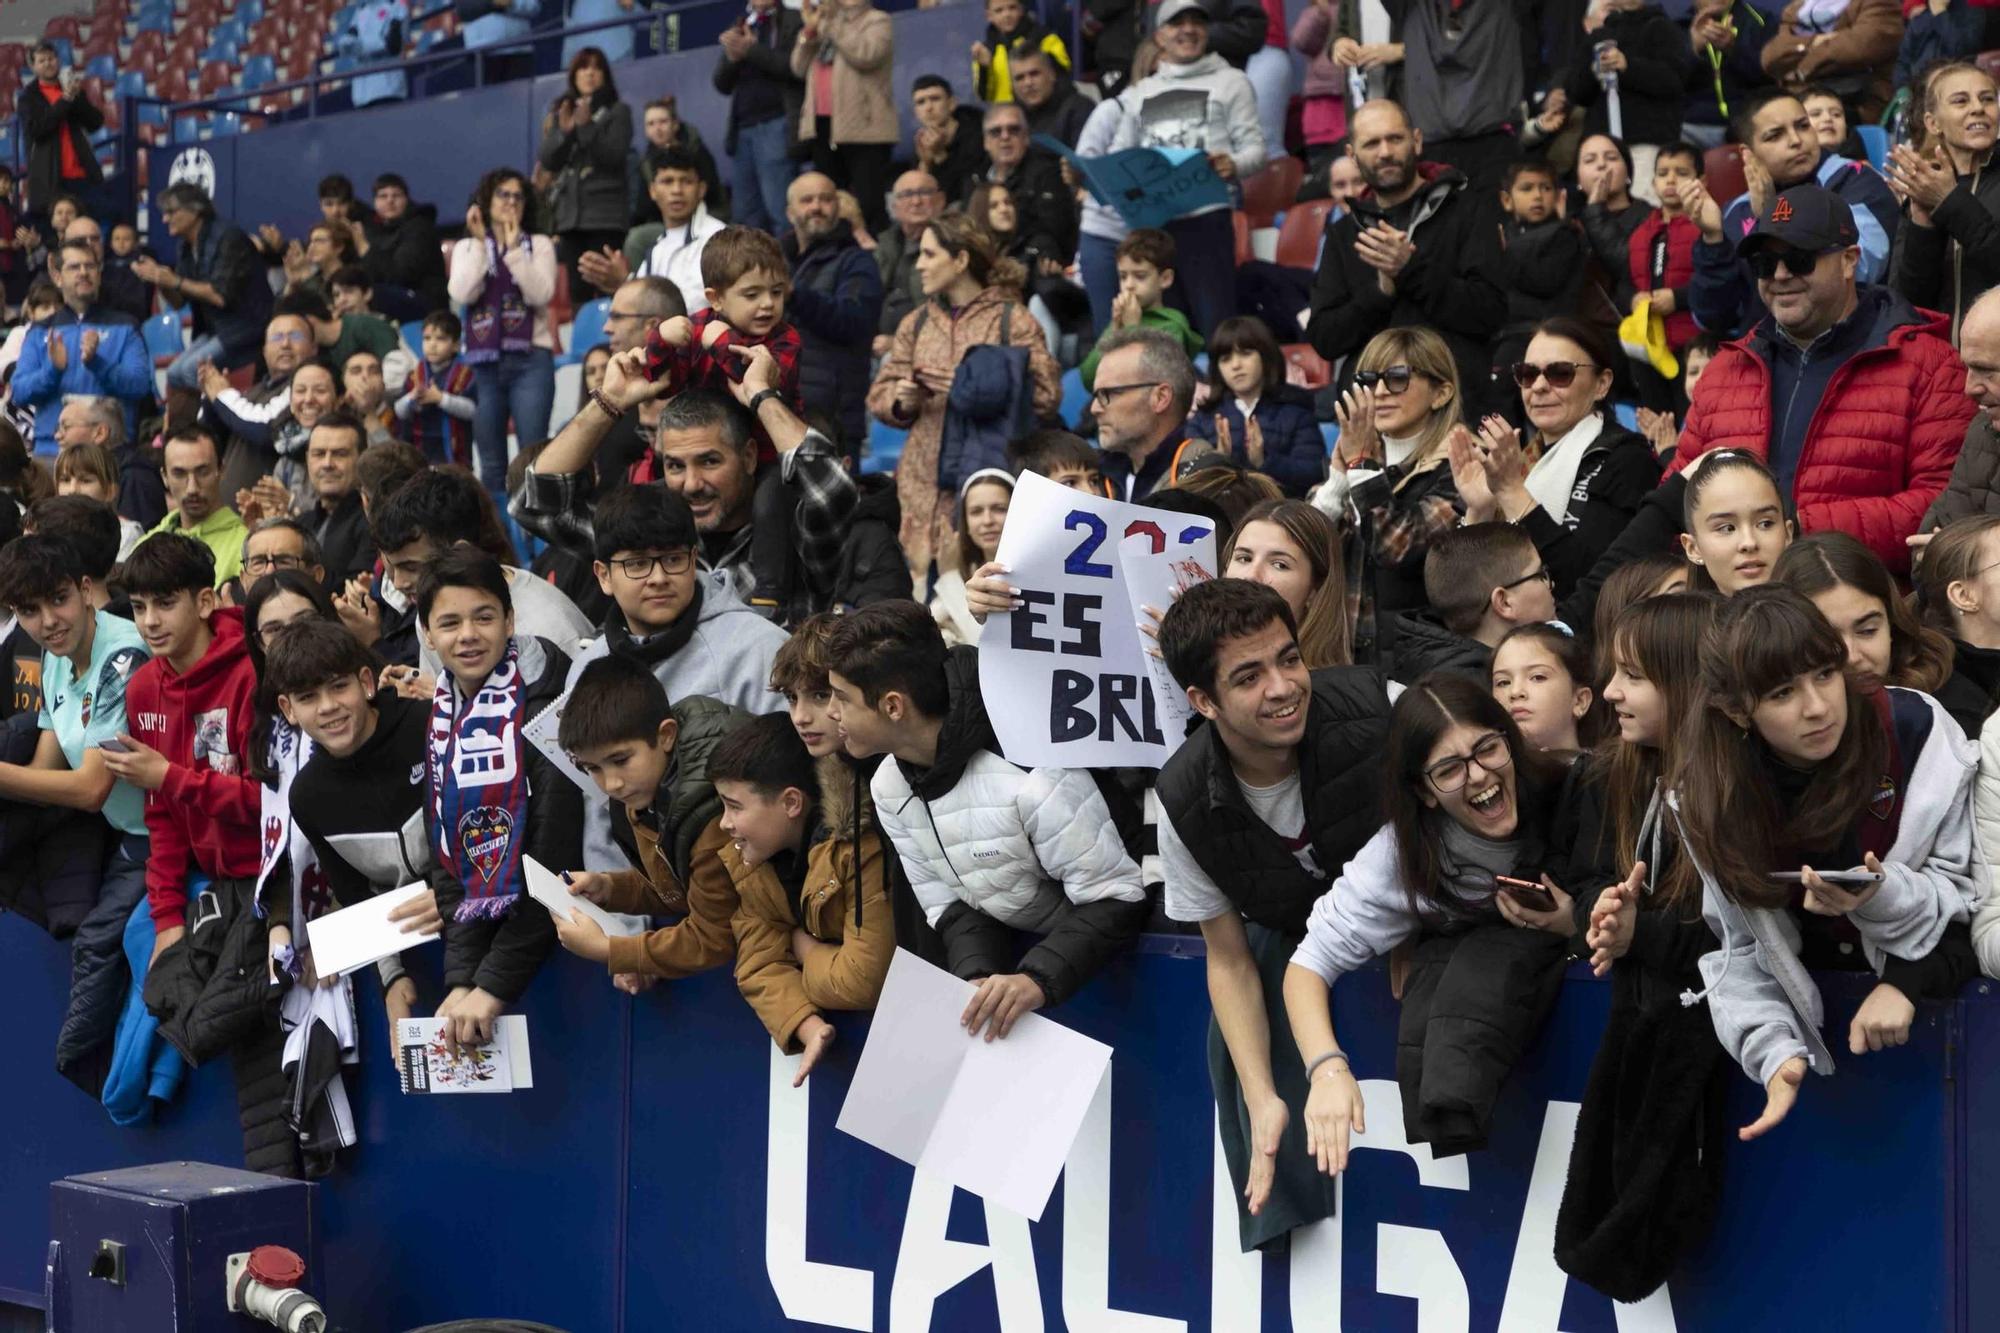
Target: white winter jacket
x=1986 y=824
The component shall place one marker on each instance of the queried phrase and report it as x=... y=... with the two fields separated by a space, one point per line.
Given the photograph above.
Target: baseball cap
x=1805 y=217
x=1173 y=9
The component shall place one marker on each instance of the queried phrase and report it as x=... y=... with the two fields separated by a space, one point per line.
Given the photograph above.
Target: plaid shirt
x=556 y=507
x=697 y=367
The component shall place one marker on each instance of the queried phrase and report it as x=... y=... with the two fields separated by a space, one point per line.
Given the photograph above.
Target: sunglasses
x=1396 y=378
x=1798 y=263
x=1560 y=374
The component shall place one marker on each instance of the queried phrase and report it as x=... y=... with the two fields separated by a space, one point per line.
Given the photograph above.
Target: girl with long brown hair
x=1478 y=823
x=1289 y=546
x=1958 y=586
x=1854 y=590
x=1645 y=1167
x=1788 y=764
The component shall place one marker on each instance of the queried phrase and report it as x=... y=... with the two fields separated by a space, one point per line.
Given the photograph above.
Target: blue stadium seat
x=224 y=122
x=221 y=48
x=429 y=39
x=65 y=50
x=104 y=67
x=1075 y=398
x=413 y=337
x=1876 y=140
x=157 y=19
x=162 y=333
x=10 y=140
x=259 y=70
x=131 y=83
x=1627 y=414
x=588 y=330
x=249 y=11
x=1329 y=432
x=885 y=447
x=188 y=127
x=152 y=113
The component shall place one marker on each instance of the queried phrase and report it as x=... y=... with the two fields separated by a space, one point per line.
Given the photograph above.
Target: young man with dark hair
x=696 y=639
x=190 y=711
x=989 y=847
x=333 y=453
x=1480 y=580
x=359 y=798
x=191 y=463
x=92 y=530
x=399 y=248
x=650 y=756
x=793 y=803
x=493 y=797
x=1259 y=810
x=437 y=510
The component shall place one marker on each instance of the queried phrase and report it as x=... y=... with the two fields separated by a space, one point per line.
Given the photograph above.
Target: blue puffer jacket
x=1294 y=450
x=120 y=369
x=836 y=303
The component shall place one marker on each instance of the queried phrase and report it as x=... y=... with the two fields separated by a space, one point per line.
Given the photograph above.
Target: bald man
x=1419 y=247
x=915 y=200
x=1974 y=488
x=836 y=302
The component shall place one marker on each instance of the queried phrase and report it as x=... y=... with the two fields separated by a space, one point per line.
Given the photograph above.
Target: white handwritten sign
x=1067 y=679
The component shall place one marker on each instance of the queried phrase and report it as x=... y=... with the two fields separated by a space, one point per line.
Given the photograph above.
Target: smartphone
x=115 y=746
x=1843 y=879
x=1522 y=891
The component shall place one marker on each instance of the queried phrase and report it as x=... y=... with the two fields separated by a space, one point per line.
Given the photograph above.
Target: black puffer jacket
x=1651 y=88
x=873 y=567
x=406 y=253
x=1415 y=642
x=212 y=989
x=502 y=957
x=51 y=858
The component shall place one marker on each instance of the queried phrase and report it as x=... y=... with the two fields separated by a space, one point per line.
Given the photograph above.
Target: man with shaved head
x=836 y=301
x=1417 y=245
x=914 y=201
x=1974 y=488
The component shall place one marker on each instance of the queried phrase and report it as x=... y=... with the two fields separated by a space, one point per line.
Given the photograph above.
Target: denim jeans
x=760 y=173
x=185 y=371
x=521 y=385
x=1097 y=263
x=1269 y=70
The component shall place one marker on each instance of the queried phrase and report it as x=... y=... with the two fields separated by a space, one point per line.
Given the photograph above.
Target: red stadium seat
x=64 y=25
x=1298 y=238
x=1244 y=254
x=1722 y=173
x=216 y=75
x=1272 y=190
x=1310 y=364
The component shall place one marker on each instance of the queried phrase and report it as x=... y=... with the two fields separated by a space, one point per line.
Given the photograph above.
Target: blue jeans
x=521 y=385
x=185 y=371
x=1097 y=260
x=760 y=173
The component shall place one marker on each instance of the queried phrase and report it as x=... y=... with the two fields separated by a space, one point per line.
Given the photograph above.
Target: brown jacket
x=697 y=942
x=782 y=991
x=864 y=44
x=1864 y=41
x=927 y=348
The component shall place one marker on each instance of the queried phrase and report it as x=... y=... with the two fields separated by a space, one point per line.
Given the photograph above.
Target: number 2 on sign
x=1094 y=532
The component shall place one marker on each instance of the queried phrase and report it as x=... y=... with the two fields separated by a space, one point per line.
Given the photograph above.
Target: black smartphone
x=1529 y=894
x=1841 y=879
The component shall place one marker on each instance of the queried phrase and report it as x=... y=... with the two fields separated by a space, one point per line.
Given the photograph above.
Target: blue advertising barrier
x=443 y=144
x=662 y=1173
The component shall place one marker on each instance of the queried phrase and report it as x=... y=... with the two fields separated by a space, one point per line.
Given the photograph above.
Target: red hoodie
x=205 y=817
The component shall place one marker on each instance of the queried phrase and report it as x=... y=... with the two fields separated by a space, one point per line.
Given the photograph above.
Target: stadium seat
x=188 y=127
x=569 y=391
x=1298 y=238
x=131 y=83
x=1075 y=398
x=1876 y=140
x=1272 y=189
x=413 y=336
x=1722 y=173
x=588 y=330
x=215 y=76
x=259 y=70
x=885 y=447
x=1244 y=252
x=102 y=67
x=162 y=334
x=1312 y=367
x=63 y=25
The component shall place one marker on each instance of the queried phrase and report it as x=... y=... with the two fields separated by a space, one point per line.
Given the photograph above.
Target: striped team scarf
x=479 y=787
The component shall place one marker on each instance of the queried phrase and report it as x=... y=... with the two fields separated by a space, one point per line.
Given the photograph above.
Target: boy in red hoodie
x=190 y=710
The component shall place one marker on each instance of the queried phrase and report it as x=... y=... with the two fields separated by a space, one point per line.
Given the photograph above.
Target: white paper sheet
x=356 y=936
x=547 y=888
x=541 y=733
x=995 y=1118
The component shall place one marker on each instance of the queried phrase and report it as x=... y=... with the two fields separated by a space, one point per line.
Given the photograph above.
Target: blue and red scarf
x=479 y=788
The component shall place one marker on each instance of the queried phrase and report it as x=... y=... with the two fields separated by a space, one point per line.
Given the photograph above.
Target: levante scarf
x=479 y=787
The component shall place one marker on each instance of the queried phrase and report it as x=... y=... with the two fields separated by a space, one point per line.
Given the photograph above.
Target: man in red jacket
x=190 y=710
x=1853 y=396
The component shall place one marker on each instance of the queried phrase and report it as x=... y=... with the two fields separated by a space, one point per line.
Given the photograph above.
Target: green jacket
x=222 y=532
x=1160 y=317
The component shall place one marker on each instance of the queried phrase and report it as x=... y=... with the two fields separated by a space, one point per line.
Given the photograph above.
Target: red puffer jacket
x=1671 y=267
x=1880 y=446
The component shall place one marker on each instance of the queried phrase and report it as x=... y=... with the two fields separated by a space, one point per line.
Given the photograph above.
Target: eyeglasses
x=641 y=566
x=1490 y=753
x=1104 y=395
x=1798 y=263
x=509 y=196
x=1560 y=374
x=912 y=196
x=1396 y=378
x=1538 y=572
x=268 y=634
x=295 y=336
x=1005 y=131
x=259 y=564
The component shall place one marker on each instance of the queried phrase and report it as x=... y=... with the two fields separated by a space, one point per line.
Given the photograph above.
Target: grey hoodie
x=1764 y=1004
x=1208 y=106
x=728 y=659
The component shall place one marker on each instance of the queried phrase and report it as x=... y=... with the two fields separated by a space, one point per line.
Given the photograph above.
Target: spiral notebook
x=426 y=1065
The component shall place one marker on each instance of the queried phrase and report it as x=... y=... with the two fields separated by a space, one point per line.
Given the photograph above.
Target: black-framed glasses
x=1394 y=378
x=1560 y=374
x=1104 y=395
x=1764 y=263
x=1538 y=572
x=641 y=566
x=1005 y=131
x=264 y=564
x=1490 y=752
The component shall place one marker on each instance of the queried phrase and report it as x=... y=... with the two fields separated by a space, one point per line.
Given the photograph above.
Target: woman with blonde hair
x=972 y=298
x=1293 y=548
x=1390 y=476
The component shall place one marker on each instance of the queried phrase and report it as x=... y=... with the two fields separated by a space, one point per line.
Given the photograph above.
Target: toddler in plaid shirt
x=747 y=281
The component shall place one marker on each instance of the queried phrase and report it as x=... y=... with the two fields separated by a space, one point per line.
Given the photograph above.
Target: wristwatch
x=757 y=403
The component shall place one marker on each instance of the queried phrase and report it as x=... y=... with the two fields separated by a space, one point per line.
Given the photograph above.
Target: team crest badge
x=484 y=833
x=1884 y=799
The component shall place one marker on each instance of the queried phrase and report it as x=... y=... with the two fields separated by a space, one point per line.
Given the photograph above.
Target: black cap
x=1805 y=217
